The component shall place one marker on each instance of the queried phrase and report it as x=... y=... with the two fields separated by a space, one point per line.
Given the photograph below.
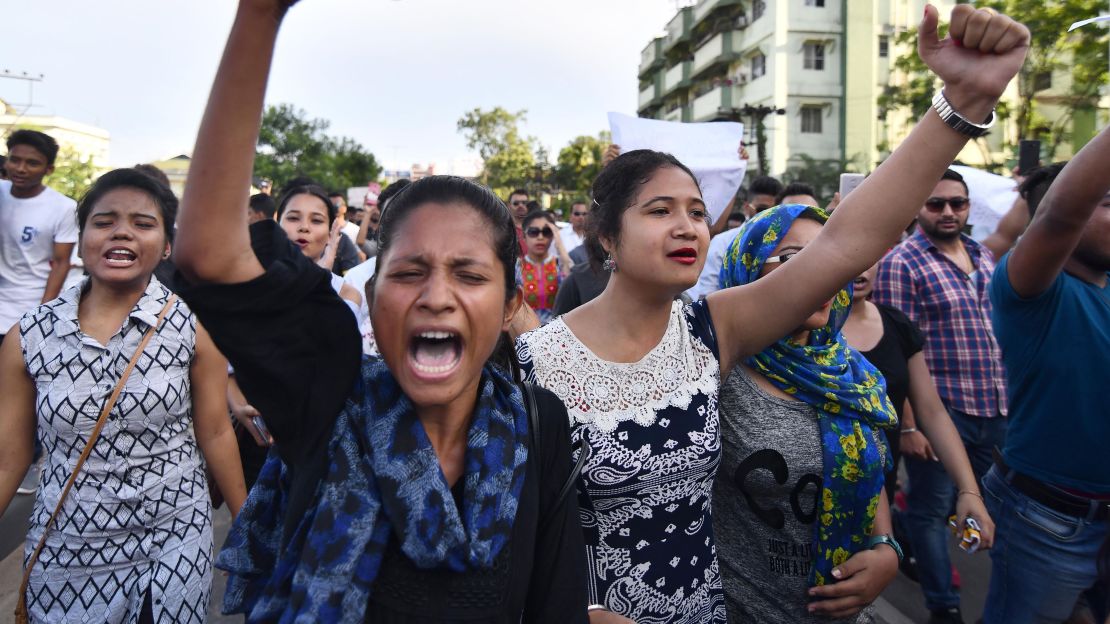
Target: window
x=884 y=46
x=815 y=3
x=1042 y=81
x=759 y=65
x=811 y=119
x=758 y=8
x=814 y=56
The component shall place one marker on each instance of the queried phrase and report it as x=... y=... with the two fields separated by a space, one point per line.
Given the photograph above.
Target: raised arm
x=975 y=73
x=212 y=240
x=1080 y=188
x=1009 y=230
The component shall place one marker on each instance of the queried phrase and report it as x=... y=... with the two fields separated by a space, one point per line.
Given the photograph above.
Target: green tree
x=291 y=144
x=508 y=158
x=579 y=163
x=1052 y=50
x=73 y=175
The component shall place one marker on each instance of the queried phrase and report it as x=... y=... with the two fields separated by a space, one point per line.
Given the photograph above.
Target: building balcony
x=706 y=8
x=677 y=77
x=679 y=28
x=718 y=51
x=651 y=58
x=677 y=113
x=651 y=96
x=711 y=105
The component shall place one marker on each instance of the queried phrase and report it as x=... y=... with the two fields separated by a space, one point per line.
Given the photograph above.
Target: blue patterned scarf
x=384 y=478
x=847 y=391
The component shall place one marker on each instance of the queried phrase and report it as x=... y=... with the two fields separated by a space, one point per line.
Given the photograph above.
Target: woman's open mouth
x=119 y=257
x=686 y=255
x=435 y=353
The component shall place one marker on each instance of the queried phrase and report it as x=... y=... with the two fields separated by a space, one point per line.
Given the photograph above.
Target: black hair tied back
x=613 y=192
x=454 y=190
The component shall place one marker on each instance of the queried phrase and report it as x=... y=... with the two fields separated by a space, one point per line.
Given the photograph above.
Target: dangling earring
x=610 y=264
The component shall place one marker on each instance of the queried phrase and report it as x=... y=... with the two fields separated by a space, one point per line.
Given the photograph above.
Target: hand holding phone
x=849 y=182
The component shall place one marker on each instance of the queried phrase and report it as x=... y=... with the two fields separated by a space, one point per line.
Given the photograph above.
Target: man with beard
x=518 y=207
x=940 y=279
x=1052 y=316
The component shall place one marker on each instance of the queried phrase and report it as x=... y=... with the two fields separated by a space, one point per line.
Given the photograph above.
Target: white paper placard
x=708 y=149
x=991 y=196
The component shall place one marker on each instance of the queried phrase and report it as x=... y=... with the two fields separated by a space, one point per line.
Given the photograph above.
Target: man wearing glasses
x=518 y=207
x=939 y=278
x=575 y=234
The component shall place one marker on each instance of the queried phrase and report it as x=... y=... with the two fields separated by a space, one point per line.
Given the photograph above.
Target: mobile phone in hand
x=849 y=182
x=260 y=426
x=1029 y=156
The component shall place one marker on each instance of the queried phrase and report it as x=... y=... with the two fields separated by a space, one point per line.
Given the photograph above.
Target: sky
x=395 y=75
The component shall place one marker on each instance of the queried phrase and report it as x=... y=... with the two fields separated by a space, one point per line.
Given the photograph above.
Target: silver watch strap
x=958 y=122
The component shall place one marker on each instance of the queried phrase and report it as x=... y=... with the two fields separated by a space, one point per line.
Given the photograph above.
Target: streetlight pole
x=757 y=114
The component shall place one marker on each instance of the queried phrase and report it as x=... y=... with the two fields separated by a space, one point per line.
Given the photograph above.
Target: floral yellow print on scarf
x=847 y=391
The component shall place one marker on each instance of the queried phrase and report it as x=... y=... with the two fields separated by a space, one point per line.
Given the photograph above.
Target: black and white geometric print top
x=652 y=435
x=139 y=516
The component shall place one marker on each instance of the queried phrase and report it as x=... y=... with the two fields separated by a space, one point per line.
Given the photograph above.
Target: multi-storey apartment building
x=810 y=70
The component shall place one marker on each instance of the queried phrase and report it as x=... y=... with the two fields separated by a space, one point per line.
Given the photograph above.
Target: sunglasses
x=579 y=214
x=520 y=202
x=535 y=232
x=779 y=259
x=936 y=204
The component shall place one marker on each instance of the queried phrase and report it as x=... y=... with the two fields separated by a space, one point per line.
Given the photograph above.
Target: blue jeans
x=1042 y=559
x=931 y=499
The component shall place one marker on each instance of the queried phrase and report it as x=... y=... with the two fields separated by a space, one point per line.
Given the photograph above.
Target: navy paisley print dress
x=652 y=436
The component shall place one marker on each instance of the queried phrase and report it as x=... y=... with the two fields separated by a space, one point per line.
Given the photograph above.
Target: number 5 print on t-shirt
x=28 y=234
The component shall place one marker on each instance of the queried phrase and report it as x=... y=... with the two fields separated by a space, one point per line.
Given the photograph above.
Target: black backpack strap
x=534 y=424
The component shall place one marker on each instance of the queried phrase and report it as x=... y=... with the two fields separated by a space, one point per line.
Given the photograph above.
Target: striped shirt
x=953 y=310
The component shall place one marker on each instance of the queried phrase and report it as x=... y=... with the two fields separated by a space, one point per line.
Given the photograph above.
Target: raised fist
x=981 y=54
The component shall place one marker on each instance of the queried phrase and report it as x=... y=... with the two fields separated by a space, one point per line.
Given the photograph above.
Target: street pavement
x=901 y=603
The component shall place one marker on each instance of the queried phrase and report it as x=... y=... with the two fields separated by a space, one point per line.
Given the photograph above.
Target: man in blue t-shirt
x=1049 y=493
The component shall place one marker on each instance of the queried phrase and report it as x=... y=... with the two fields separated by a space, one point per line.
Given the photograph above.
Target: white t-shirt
x=29 y=228
x=351 y=230
x=356 y=278
x=571 y=239
x=710 y=279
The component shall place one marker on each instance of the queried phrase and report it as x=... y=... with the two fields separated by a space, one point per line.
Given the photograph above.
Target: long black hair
x=444 y=189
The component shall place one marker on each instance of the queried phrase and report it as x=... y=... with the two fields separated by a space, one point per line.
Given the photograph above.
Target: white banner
x=710 y=150
x=991 y=196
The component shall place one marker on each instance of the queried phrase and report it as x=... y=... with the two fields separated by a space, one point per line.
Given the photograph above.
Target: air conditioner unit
x=742 y=22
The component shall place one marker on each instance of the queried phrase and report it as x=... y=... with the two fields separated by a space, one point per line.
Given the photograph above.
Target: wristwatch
x=958 y=122
x=889 y=541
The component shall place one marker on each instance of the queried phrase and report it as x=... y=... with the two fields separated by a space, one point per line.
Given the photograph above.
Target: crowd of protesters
x=441 y=406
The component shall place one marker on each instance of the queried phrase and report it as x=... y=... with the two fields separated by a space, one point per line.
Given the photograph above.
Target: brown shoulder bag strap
x=21 y=615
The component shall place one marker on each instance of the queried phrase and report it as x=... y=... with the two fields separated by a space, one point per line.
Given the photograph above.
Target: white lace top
x=652 y=433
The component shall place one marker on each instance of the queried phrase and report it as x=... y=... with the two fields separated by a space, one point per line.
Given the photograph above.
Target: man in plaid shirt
x=938 y=277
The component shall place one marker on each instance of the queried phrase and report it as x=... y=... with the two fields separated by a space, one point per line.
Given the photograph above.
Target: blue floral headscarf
x=847 y=391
